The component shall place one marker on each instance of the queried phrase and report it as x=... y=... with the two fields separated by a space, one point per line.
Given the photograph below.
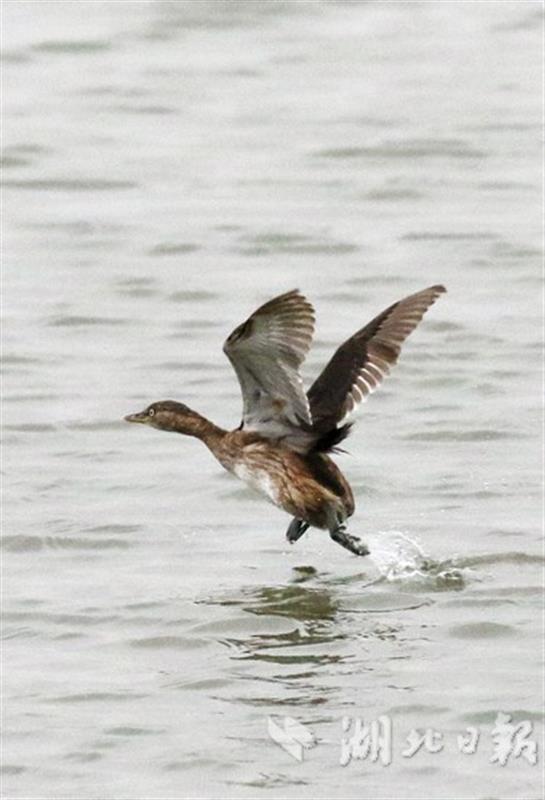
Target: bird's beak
x=141 y=417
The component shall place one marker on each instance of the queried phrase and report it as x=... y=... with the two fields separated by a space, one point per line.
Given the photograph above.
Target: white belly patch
x=258 y=479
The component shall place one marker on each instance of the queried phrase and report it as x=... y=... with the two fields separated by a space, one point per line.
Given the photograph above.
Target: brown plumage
x=281 y=446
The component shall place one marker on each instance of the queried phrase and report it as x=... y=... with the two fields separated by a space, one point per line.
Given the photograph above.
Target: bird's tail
x=328 y=441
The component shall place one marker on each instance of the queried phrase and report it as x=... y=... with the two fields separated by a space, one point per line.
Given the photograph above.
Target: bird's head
x=168 y=415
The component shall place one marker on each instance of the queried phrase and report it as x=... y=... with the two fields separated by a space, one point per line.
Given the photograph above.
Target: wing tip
x=290 y=293
x=429 y=295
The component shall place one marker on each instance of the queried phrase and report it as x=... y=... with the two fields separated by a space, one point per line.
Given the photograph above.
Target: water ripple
x=94 y=697
x=75 y=320
x=69 y=185
x=481 y=630
x=406 y=149
x=72 y=47
x=20 y=543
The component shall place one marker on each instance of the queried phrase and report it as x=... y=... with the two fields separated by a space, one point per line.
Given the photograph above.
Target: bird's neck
x=199 y=427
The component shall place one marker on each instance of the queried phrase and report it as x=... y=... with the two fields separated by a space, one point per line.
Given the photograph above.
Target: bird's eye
x=151 y=412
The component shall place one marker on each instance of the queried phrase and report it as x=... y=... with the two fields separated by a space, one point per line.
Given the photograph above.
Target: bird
x=283 y=445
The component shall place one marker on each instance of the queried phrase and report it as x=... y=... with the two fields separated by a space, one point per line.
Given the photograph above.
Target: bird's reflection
x=299 y=602
x=291 y=640
x=312 y=610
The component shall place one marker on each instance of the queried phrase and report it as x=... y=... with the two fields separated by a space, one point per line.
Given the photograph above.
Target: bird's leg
x=351 y=543
x=296 y=529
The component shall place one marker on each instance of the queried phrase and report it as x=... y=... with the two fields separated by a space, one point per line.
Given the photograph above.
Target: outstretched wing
x=360 y=364
x=266 y=352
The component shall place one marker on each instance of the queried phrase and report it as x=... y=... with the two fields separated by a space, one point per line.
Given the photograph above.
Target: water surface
x=167 y=167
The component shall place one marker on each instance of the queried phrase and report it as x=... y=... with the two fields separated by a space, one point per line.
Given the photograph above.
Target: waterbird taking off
x=281 y=445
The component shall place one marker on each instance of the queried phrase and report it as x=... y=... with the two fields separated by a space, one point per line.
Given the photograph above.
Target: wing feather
x=266 y=352
x=360 y=364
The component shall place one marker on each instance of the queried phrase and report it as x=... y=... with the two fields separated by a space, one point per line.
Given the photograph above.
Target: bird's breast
x=263 y=480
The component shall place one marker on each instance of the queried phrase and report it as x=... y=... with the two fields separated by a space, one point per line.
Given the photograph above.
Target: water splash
x=401 y=559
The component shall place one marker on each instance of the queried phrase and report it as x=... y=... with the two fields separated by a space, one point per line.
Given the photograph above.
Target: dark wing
x=359 y=365
x=266 y=352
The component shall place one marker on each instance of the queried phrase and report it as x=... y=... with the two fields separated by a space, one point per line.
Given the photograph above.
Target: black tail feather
x=328 y=441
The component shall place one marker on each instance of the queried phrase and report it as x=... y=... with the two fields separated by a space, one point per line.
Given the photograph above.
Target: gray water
x=167 y=167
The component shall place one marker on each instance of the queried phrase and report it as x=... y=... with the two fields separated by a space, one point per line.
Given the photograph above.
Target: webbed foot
x=349 y=542
x=296 y=529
